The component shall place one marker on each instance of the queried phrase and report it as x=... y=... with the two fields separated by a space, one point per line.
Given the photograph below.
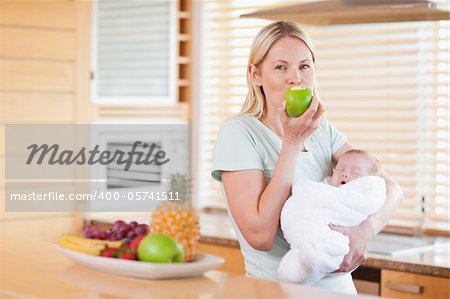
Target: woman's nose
x=295 y=78
x=344 y=175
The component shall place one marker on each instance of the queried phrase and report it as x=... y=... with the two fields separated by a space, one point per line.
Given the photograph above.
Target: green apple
x=160 y=248
x=298 y=100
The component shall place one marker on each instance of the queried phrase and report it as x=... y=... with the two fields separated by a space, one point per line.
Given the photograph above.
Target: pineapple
x=178 y=219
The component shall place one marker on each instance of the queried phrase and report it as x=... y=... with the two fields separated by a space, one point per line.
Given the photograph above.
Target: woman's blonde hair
x=255 y=103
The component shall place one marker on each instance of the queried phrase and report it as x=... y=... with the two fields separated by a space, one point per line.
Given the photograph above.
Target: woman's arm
x=255 y=205
x=362 y=234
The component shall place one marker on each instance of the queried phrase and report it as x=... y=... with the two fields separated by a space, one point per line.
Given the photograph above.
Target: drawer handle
x=403 y=287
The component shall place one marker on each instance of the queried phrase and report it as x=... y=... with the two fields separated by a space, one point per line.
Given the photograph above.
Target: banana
x=85 y=245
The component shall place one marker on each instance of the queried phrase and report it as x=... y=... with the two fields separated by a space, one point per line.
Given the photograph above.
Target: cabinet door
x=397 y=284
x=134 y=52
x=234 y=262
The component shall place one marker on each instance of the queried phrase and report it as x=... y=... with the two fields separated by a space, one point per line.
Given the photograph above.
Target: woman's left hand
x=360 y=237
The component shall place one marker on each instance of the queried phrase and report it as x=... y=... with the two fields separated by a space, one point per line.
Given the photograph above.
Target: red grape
x=119 y=231
x=141 y=229
x=103 y=235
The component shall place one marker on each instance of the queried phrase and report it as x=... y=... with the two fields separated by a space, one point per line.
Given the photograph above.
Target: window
x=134 y=52
x=384 y=85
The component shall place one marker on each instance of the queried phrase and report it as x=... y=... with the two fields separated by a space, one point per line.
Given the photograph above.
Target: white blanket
x=316 y=249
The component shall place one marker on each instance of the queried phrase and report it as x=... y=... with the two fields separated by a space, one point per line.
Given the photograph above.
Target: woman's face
x=288 y=63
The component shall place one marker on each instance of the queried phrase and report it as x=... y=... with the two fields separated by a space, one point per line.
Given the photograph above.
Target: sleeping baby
x=349 y=196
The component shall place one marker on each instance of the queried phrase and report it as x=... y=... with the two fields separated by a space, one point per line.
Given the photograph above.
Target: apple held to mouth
x=160 y=248
x=298 y=100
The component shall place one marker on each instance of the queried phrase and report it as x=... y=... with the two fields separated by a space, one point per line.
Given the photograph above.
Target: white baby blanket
x=316 y=249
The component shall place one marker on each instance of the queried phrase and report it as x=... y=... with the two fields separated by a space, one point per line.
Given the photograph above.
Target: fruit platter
x=139 y=250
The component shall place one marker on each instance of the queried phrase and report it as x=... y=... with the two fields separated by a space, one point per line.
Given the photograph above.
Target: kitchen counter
x=216 y=229
x=433 y=262
x=34 y=269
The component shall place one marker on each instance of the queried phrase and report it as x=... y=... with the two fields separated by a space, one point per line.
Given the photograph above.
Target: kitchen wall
x=44 y=71
x=44 y=78
x=45 y=49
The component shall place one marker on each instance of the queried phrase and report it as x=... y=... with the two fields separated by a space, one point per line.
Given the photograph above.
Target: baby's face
x=350 y=167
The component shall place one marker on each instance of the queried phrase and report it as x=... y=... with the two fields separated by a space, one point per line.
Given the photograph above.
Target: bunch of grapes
x=119 y=231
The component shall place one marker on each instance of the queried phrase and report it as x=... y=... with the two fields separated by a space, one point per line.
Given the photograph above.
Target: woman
x=261 y=152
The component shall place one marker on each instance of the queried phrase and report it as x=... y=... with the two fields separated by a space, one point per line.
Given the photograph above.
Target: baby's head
x=353 y=164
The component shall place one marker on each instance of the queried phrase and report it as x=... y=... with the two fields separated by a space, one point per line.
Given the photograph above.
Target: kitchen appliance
x=129 y=184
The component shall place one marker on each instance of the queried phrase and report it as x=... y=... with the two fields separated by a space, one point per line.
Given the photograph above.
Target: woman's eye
x=304 y=67
x=280 y=67
x=356 y=174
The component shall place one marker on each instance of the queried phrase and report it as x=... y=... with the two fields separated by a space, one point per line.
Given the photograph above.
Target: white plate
x=203 y=263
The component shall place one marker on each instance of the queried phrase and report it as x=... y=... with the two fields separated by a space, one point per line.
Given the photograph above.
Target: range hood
x=331 y=12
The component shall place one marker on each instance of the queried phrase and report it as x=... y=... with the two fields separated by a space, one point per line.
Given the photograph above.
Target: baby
x=353 y=164
x=350 y=195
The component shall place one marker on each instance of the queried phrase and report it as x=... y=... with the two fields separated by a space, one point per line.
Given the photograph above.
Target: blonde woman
x=261 y=152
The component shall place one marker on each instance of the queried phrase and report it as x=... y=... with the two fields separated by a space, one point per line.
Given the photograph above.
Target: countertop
x=34 y=269
x=216 y=229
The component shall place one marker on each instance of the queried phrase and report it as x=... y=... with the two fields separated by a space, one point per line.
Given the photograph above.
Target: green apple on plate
x=160 y=248
x=298 y=100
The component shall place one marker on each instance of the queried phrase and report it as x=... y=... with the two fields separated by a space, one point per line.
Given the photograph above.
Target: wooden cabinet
x=234 y=262
x=182 y=109
x=397 y=284
x=184 y=50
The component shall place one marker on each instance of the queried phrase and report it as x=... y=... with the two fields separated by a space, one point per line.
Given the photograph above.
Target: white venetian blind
x=385 y=86
x=380 y=84
x=437 y=155
x=134 y=51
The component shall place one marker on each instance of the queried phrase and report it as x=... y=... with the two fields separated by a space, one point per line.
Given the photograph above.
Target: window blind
x=379 y=83
x=437 y=155
x=385 y=86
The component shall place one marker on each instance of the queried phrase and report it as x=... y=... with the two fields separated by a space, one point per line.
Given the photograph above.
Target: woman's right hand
x=297 y=130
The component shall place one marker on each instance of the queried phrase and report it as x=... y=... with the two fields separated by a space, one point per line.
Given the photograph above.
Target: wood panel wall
x=37 y=61
x=44 y=78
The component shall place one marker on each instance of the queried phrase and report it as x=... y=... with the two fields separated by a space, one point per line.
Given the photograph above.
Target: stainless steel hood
x=330 y=12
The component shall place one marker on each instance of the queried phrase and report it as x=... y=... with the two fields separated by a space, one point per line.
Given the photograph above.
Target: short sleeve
x=235 y=149
x=336 y=137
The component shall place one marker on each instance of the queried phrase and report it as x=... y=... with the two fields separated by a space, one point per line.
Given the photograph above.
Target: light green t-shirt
x=245 y=143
